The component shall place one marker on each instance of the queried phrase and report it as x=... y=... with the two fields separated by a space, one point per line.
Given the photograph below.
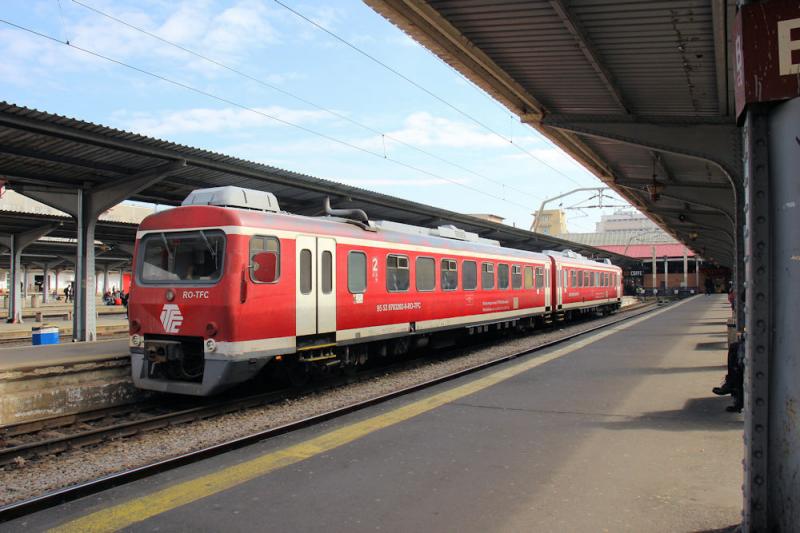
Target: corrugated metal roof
x=603 y=60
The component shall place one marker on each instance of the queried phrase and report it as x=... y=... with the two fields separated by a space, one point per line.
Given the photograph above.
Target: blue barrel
x=44 y=335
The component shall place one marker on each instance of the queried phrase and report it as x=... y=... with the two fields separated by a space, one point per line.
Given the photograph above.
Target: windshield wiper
x=210 y=248
x=166 y=245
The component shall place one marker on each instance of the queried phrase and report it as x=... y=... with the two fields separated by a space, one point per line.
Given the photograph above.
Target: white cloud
x=226 y=35
x=425 y=130
x=208 y=120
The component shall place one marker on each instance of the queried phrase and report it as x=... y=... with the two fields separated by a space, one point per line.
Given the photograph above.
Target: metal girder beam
x=589 y=51
x=16 y=242
x=678 y=184
x=708 y=140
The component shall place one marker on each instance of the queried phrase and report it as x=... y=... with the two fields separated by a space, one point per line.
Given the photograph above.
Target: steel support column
x=105 y=278
x=45 y=282
x=782 y=304
x=685 y=267
x=758 y=317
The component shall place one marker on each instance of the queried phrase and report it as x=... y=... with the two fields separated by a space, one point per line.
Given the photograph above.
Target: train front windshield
x=188 y=257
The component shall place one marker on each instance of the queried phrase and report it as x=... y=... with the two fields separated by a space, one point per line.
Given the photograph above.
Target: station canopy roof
x=639 y=91
x=111 y=239
x=47 y=150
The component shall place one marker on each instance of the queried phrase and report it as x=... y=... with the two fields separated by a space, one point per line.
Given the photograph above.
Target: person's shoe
x=735 y=408
x=722 y=390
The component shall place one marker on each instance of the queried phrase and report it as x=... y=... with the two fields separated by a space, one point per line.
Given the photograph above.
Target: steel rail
x=67 y=494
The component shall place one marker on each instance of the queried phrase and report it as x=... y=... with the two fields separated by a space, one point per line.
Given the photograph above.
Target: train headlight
x=169 y=295
x=211 y=345
x=136 y=340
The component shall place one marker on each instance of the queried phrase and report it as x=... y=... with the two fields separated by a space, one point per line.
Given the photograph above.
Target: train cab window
x=397 y=276
x=305 y=272
x=449 y=274
x=258 y=245
x=528 y=277
x=502 y=276
x=539 y=277
x=516 y=277
x=181 y=258
x=425 y=274
x=326 y=272
x=487 y=275
x=357 y=272
x=469 y=277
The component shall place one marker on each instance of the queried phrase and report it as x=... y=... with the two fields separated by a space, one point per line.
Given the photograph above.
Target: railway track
x=138 y=419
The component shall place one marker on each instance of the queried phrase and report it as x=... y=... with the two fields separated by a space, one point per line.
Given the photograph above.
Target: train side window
x=260 y=244
x=564 y=278
x=528 y=277
x=574 y=276
x=516 y=277
x=305 y=271
x=539 y=277
x=449 y=274
x=397 y=276
x=357 y=272
x=586 y=282
x=326 y=272
x=487 y=275
x=580 y=278
x=469 y=276
x=425 y=274
x=502 y=276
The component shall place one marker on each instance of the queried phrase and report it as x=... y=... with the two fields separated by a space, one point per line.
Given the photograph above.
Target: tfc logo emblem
x=171 y=318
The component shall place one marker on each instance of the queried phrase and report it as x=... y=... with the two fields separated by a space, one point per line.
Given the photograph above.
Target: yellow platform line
x=167 y=499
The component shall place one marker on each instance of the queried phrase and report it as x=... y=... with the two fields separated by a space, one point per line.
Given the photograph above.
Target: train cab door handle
x=243 y=287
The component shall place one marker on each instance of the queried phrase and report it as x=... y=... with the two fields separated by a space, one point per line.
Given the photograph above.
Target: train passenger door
x=316 y=287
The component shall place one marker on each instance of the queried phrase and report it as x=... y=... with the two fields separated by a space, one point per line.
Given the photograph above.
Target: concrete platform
x=113 y=324
x=38 y=382
x=614 y=431
x=59 y=308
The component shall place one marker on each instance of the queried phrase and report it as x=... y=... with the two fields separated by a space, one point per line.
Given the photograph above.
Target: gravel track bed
x=27 y=479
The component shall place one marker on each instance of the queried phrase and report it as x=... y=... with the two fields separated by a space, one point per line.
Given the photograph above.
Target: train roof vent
x=565 y=253
x=231 y=196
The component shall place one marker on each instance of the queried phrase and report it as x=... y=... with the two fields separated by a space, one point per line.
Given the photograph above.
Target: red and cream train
x=226 y=283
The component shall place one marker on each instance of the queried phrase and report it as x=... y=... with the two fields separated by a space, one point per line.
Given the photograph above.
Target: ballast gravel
x=27 y=479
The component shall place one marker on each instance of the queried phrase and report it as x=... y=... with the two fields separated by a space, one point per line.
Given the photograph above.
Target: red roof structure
x=645 y=251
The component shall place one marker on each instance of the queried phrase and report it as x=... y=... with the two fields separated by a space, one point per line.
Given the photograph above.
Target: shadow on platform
x=697 y=414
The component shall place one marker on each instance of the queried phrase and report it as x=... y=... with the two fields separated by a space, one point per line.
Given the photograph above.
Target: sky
x=281 y=91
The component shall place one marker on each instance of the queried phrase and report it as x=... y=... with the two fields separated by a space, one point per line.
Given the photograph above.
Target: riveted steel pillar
x=758 y=317
x=783 y=306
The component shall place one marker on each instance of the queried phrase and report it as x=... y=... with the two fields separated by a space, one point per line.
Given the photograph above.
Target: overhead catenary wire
x=423 y=89
x=259 y=112
x=384 y=136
